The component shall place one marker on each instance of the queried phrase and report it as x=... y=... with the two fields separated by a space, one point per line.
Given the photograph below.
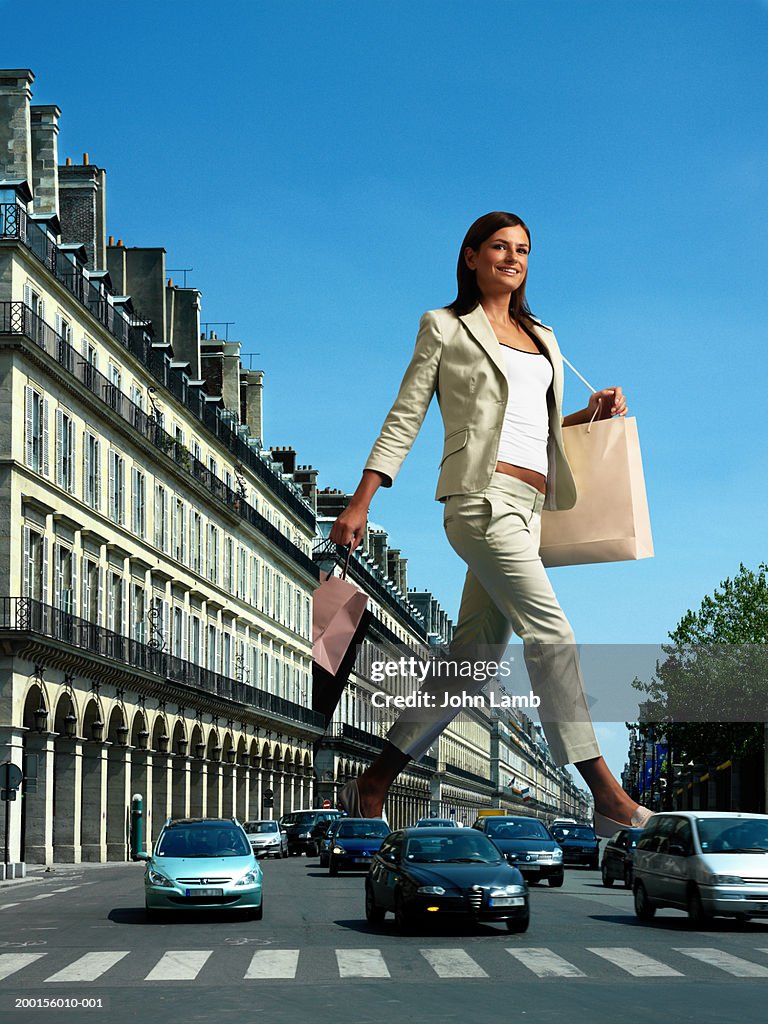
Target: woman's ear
x=470 y=257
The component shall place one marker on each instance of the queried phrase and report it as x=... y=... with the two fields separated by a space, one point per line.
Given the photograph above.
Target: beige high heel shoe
x=605 y=827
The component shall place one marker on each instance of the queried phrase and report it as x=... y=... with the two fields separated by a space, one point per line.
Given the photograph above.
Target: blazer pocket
x=454 y=442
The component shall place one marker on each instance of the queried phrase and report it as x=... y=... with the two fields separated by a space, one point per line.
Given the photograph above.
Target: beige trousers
x=497 y=533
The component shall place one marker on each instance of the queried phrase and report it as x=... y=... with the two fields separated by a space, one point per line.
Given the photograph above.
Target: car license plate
x=506 y=901
x=361 y=860
x=527 y=867
x=205 y=892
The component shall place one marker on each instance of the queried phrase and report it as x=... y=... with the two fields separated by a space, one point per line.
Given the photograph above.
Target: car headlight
x=431 y=890
x=712 y=879
x=157 y=879
x=339 y=849
x=250 y=878
x=557 y=854
x=508 y=890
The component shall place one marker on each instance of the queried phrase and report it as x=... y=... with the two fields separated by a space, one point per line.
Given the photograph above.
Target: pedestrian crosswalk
x=434 y=962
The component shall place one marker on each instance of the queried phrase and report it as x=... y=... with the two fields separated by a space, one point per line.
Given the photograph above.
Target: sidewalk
x=39 y=872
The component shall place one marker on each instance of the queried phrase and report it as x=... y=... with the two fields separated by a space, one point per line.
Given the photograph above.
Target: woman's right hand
x=349 y=527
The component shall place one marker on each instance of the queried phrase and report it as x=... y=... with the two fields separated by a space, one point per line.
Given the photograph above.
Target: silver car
x=267 y=839
x=705 y=862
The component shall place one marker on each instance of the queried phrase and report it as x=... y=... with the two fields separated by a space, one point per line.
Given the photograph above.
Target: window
x=34 y=301
x=229 y=564
x=213 y=466
x=255 y=663
x=242 y=573
x=195 y=449
x=297 y=624
x=196 y=540
x=116 y=487
x=228 y=479
x=179 y=647
x=266 y=589
x=195 y=639
x=116 y=603
x=63 y=330
x=65 y=451
x=93 y=585
x=226 y=655
x=211 y=652
x=179 y=530
x=64 y=563
x=278 y=600
x=112 y=393
x=161 y=517
x=138 y=613
x=178 y=433
x=92 y=471
x=137 y=396
x=158 y=623
x=35 y=569
x=138 y=502
x=212 y=567
x=36 y=431
x=255 y=581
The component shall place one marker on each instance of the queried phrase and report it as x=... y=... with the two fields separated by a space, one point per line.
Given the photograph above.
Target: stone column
x=67 y=800
x=142 y=774
x=94 y=801
x=198 y=788
x=162 y=789
x=181 y=786
x=213 y=788
x=39 y=789
x=242 y=792
x=118 y=802
x=229 y=791
x=12 y=749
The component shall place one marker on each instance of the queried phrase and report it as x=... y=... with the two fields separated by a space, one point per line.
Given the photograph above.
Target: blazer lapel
x=479 y=326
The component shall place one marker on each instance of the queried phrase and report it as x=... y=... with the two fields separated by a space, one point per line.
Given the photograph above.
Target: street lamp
x=97 y=731
x=70 y=725
x=41 y=718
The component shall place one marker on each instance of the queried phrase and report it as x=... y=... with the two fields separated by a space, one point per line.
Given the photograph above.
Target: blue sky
x=318 y=165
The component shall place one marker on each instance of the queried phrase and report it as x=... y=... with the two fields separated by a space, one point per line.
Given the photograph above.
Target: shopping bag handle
x=593 y=390
x=333 y=548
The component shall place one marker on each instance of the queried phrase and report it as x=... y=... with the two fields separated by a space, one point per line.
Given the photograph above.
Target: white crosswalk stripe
x=89 y=967
x=546 y=964
x=12 y=962
x=725 y=962
x=452 y=963
x=361 y=963
x=635 y=963
x=273 y=963
x=179 y=965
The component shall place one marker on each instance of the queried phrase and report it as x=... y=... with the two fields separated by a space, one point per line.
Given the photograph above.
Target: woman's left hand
x=609 y=402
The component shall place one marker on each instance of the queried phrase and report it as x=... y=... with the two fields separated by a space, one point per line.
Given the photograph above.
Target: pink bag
x=337 y=608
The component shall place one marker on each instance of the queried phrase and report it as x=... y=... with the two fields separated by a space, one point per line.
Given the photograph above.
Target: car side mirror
x=143 y=855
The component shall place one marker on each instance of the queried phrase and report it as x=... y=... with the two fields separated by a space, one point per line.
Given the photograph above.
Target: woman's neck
x=497 y=309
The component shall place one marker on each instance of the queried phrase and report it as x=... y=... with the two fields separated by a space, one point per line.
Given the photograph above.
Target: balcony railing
x=134 y=333
x=462 y=773
x=24 y=615
x=344 y=731
x=16 y=318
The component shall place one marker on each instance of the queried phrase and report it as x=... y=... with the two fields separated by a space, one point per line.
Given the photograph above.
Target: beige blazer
x=460 y=359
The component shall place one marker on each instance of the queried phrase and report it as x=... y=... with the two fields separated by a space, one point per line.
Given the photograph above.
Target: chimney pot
x=85 y=159
x=170 y=282
x=119 y=241
x=112 y=240
x=69 y=161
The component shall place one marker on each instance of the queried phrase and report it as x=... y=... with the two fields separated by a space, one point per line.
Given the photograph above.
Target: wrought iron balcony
x=24 y=615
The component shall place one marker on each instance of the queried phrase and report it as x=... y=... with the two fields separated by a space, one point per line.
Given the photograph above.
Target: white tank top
x=525 y=430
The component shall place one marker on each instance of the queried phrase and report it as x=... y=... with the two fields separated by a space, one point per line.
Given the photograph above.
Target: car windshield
x=572 y=832
x=306 y=818
x=733 y=835
x=260 y=826
x=436 y=823
x=202 y=841
x=363 y=830
x=458 y=849
x=517 y=830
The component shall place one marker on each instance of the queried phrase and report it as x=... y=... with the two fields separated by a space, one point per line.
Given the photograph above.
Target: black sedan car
x=527 y=842
x=579 y=844
x=618 y=856
x=430 y=873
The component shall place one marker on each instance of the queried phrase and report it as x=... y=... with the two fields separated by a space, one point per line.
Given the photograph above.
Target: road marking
x=361 y=963
x=546 y=964
x=179 y=965
x=635 y=963
x=7 y=906
x=88 y=967
x=452 y=963
x=12 y=962
x=273 y=963
x=725 y=961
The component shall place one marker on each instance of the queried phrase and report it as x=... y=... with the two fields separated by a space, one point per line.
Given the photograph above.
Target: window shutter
x=44 y=461
x=112 y=503
x=58 y=575
x=59 y=448
x=110 y=605
x=87 y=497
x=57 y=324
x=86 y=588
x=124 y=606
x=134 y=500
x=73 y=595
x=184 y=637
x=100 y=602
x=27 y=296
x=120 y=467
x=45 y=571
x=28 y=431
x=97 y=473
x=174 y=526
x=183 y=528
x=26 y=568
x=71 y=448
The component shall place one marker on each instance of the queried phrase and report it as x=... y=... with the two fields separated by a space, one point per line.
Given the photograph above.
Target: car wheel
x=628 y=878
x=403 y=919
x=607 y=880
x=556 y=881
x=698 y=917
x=333 y=867
x=518 y=924
x=257 y=913
x=644 y=909
x=313 y=850
x=374 y=914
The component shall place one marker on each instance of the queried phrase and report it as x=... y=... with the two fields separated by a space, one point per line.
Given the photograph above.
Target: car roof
x=511 y=817
x=230 y=822
x=438 y=830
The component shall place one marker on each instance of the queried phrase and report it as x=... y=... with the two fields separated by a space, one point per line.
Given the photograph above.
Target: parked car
x=421 y=874
x=202 y=864
x=326 y=839
x=618 y=854
x=563 y=821
x=706 y=862
x=355 y=841
x=266 y=838
x=528 y=843
x=436 y=823
x=579 y=844
x=304 y=829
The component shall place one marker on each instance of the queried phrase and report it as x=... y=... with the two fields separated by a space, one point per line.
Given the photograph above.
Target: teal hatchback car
x=203 y=864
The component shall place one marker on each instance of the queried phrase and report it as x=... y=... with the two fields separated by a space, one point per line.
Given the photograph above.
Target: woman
x=498 y=374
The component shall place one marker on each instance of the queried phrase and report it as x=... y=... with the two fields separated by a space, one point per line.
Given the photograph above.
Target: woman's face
x=501 y=262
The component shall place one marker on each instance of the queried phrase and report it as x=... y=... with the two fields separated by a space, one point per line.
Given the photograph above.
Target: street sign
x=268 y=794
x=8 y=794
x=10 y=776
x=326 y=804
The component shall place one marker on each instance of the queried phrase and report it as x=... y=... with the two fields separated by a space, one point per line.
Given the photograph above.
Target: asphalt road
x=79 y=932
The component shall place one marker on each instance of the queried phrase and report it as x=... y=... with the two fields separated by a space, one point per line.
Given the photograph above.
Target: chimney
x=230 y=377
x=182 y=311
x=83 y=209
x=379 y=549
x=251 y=391
x=15 y=129
x=140 y=273
x=285 y=456
x=45 y=158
